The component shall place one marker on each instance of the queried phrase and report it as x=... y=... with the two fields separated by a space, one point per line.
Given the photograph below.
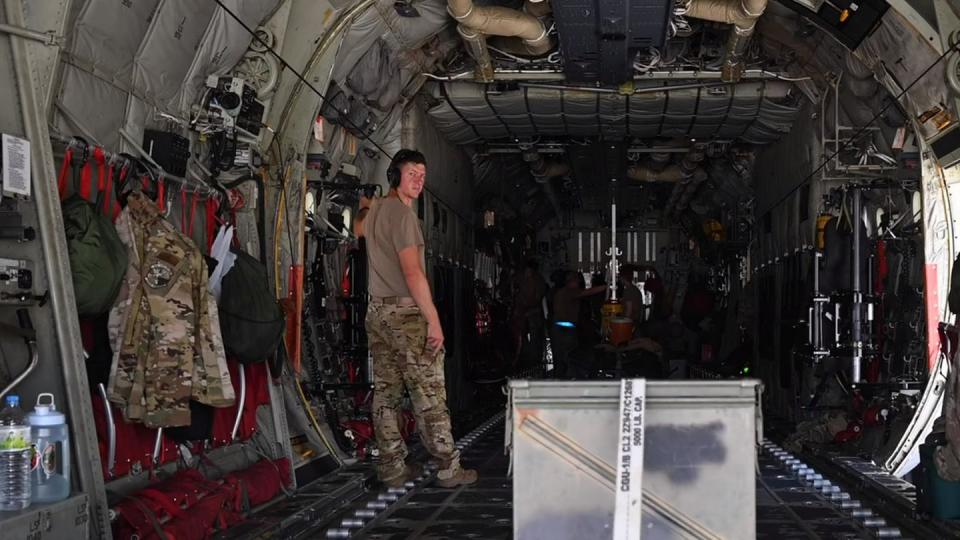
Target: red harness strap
x=186 y=227
x=193 y=213
x=86 y=180
x=64 y=169
x=161 y=195
x=100 y=159
x=107 y=191
x=211 y=220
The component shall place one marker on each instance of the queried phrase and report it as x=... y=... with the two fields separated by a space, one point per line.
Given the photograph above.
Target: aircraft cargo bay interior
x=429 y=269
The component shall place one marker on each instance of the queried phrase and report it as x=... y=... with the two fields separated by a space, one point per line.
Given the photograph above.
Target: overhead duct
x=694 y=175
x=743 y=15
x=752 y=111
x=543 y=171
x=672 y=173
x=477 y=22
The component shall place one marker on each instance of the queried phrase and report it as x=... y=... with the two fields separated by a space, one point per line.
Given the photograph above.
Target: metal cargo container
x=700 y=461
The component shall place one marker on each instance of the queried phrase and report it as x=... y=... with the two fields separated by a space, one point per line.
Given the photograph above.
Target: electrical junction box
x=235 y=103
x=169 y=150
x=16 y=281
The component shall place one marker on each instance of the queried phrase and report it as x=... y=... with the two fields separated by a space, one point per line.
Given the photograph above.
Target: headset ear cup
x=393 y=176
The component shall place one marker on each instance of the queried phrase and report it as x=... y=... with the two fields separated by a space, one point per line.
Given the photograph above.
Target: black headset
x=401 y=157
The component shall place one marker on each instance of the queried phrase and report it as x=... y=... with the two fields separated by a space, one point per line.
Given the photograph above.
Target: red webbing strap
x=193 y=213
x=86 y=180
x=100 y=160
x=183 y=211
x=211 y=220
x=162 y=195
x=64 y=169
x=161 y=500
x=107 y=190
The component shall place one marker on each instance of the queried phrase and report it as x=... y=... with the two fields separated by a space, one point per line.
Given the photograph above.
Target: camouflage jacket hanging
x=164 y=326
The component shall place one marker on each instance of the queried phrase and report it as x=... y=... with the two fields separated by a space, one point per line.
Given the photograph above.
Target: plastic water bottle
x=50 y=474
x=15 y=455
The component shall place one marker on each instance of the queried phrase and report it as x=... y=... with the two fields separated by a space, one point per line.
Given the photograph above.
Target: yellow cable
x=316 y=424
x=278 y=286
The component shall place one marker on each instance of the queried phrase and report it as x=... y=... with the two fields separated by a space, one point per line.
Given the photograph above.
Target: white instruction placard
x=629 y=488
x=16 y=166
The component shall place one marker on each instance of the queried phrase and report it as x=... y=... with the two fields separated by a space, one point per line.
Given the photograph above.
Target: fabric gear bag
x=251 y=320
x=98 y=259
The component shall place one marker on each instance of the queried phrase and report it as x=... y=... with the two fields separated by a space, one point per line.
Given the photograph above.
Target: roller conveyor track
x=816 y=498
x=788 y=506
x=890 y=496
x=423 y=511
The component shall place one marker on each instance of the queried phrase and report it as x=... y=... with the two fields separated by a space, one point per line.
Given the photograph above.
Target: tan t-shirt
x=390 y=226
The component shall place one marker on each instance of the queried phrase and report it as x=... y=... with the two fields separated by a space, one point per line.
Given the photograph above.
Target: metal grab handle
x=111 y=432
x=243 y=398
x=30 y=338
x=157 y=447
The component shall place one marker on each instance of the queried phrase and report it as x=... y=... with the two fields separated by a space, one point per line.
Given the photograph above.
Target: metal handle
x=243 y=398
x=111 y=432
x=23 y=318
x=836 y=323
x=157 y=447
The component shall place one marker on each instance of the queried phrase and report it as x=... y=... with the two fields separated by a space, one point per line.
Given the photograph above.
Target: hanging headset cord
x=297 y=73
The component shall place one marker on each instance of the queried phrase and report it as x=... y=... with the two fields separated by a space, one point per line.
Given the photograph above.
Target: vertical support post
x=34 y=109
x=592 y=250
x=613 y=250
x=816 y=317
x=856 y=315
x=579 y=250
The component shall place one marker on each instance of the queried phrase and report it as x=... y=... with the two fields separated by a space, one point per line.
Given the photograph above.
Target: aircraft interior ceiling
x=776 y=176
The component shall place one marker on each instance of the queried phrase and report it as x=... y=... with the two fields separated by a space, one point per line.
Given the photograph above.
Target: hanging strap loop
x=64 y=170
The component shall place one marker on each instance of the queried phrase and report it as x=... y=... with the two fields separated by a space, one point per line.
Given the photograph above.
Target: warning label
x=629 y=500
x=16 y=166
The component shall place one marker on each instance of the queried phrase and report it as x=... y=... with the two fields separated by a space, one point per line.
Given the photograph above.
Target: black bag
x=252 y=322
x=953 y=296
x=98 y=259
x=200 y=427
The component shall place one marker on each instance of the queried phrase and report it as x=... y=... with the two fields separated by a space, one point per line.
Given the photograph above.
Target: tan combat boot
x=410 y=472
x=462 y=477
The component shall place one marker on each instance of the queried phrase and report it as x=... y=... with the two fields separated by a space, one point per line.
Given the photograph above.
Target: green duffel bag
x=98 y=259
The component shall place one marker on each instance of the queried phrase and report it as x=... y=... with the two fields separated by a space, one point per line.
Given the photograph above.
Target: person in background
x=566 y=320
x=632 y=297
x=403 y=330
x=527 y=318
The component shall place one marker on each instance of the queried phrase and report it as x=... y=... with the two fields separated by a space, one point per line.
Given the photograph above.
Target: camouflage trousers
x=397 y=337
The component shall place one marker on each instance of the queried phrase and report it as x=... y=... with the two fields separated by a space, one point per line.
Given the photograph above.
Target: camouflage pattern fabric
x=164 y=327
x=397 y=337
